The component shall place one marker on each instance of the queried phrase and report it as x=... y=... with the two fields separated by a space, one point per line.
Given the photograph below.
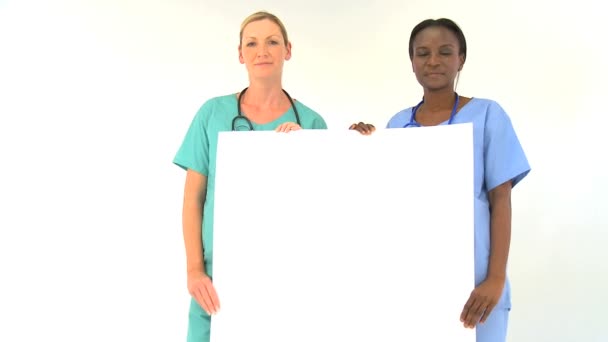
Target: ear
x=241 y=59
x=288 y=55
x=461 y=63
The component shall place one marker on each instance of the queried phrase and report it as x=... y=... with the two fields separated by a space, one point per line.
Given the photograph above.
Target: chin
x=266 y=76
x=436 y=87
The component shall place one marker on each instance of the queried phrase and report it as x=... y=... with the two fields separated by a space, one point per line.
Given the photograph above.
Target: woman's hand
x=363 y=128
x=202 y=290
x=481 y=302
x=288 y=127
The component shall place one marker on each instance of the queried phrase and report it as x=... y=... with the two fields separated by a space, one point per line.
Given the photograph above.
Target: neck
x=264 y=94
x=438 y=101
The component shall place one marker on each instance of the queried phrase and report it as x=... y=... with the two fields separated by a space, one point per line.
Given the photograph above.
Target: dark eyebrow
x=442 y=46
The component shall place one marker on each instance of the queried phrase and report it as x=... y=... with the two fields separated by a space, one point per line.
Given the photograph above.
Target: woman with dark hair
x=438 y=50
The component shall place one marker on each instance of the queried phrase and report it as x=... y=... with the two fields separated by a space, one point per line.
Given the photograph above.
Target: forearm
x=500 y=231
x=192 y=229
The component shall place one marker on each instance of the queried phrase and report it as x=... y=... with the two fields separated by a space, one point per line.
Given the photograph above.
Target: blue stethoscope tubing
x=415 y=109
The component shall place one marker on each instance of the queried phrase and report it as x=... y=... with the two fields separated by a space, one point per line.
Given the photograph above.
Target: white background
x=95 y=97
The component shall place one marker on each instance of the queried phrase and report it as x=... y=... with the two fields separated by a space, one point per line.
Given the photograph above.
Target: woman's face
x=263 y=49
x=436 y=58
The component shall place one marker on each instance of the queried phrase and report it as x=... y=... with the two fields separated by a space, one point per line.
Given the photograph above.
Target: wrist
x=196 y=268
x=496 y=276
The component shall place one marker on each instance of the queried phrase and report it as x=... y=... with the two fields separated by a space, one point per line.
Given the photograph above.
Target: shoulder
x=485 y=112
x=309 y=116
x=491 y=108
x=400 y=119
x=216 y=106
x=219 y=102
x=304 y=109
x=492 y=119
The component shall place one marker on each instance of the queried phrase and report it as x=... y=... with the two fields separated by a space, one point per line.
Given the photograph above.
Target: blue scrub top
x=498 y=158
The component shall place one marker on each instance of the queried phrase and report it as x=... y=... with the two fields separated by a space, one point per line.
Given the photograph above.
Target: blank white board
x=334 y=236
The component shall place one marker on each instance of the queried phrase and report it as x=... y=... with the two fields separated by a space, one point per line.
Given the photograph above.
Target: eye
x=446 y=52
x=422 y=54
x=274 y=42
x=250 y=44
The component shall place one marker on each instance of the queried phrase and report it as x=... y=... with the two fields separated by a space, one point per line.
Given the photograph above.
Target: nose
x=433 y=59
x=262 y=50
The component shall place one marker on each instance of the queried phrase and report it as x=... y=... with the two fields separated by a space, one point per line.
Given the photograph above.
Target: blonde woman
x=262 y=105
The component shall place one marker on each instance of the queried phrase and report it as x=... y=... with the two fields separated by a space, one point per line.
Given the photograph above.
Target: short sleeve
x=503 y=154
x=400 y=119
x=319 y=123
x=309 y=119
x=194 y=150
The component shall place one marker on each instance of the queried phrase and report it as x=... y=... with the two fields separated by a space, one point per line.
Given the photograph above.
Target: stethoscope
x=413 y=122
x=249 y=124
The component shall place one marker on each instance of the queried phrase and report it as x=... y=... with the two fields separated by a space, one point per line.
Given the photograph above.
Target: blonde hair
x=261 y=15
